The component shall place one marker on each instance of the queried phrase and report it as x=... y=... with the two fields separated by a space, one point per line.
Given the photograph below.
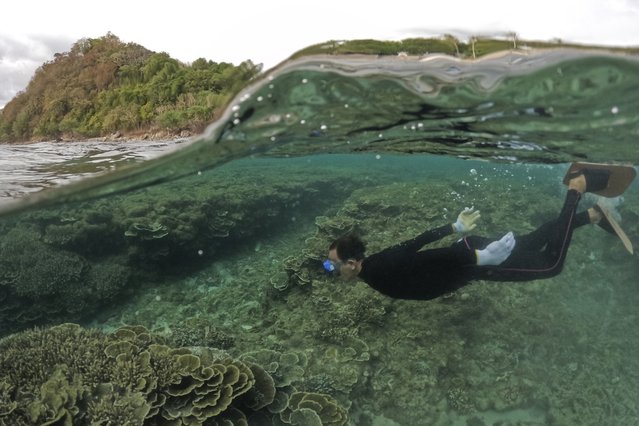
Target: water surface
x=29 y=168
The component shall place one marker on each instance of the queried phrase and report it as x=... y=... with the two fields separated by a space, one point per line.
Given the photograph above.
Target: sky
x=267 y=32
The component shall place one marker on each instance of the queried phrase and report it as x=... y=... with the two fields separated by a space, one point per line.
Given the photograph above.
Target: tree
x=452 y=40
x=513 y=36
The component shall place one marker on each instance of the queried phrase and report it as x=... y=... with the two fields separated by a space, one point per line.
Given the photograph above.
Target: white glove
x=497 y=251
x=466 y=221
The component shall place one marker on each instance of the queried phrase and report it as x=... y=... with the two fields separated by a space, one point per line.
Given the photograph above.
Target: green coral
x=67 y=375
x=120 y=408
x=62 y=262
x=39 y=281
x=33 y=268
x=145 y=232
x=57 y=401
x=262 y=394
x=286 y=367
x=7 y=404
x=313 y=409
x=200 y=332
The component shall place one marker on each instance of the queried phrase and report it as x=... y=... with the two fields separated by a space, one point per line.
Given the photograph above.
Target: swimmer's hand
x=497 y=251
x=467 y=220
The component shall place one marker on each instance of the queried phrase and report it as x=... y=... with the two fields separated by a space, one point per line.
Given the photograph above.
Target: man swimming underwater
x=404 y=272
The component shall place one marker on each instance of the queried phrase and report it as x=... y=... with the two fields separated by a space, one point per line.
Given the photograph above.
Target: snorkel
x=332 y=268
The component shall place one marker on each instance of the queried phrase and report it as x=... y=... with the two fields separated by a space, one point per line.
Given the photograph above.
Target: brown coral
x=309 y=409
x=262 y=394
x=66 y=374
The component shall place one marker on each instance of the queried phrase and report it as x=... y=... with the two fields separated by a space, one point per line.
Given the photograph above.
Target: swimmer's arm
x=423 y=239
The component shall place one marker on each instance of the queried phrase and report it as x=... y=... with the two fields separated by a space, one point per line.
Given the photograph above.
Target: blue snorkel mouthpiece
x=328 y=266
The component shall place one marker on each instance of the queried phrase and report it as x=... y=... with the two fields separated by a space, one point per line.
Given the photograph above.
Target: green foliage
x=448 y=44
x=421 y=46
x=104 y=85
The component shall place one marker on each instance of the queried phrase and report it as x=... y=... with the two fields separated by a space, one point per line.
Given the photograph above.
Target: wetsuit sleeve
x=413 y=245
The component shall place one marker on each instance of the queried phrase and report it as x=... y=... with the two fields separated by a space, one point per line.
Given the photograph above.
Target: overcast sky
x=268 y=32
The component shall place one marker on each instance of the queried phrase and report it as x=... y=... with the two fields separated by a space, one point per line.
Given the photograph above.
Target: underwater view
x=189 y=289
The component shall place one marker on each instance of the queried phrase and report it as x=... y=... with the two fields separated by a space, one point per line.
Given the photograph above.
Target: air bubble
x=614 y=110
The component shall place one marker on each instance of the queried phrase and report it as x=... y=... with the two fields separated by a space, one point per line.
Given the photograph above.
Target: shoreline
x=114 y=137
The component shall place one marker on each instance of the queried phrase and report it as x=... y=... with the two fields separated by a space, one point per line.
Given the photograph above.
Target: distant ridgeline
x=104 y=86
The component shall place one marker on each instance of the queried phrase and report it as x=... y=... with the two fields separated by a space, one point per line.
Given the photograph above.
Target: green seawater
x=219 y=246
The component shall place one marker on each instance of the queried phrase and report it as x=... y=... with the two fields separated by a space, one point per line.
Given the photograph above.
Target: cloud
x=21 y=56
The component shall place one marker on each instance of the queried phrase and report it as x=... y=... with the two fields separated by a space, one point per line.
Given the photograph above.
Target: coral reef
x=199 y=332
x=257 y=313
x=39 y=281
x=311 y=409
x=449 y=370
x=69 y=375
x=61 y=264
x=285 y=368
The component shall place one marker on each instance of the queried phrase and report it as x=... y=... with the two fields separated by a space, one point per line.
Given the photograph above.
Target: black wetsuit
x=404 y=272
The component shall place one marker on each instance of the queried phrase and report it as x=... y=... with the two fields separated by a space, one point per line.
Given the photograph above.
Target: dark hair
x=349 y=246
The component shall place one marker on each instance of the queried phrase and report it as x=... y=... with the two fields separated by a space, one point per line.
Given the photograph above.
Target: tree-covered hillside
x=104 y=85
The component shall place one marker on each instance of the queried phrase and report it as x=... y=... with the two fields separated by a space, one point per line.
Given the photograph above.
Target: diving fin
x=619 y=180
x=607 y=216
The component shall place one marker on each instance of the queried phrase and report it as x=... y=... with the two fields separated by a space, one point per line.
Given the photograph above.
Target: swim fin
x=619 y=180
x=609 y=223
